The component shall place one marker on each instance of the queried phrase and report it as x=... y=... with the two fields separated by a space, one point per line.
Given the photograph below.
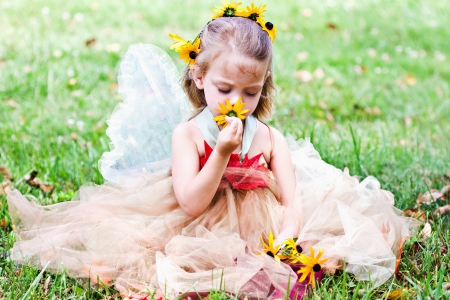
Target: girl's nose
x=234 y=99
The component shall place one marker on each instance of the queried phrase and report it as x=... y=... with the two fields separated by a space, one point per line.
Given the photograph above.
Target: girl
x=232 y=182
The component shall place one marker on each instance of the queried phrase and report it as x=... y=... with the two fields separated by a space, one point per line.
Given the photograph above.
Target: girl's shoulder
x=266 y=140
x=188 y=134
x=268 y=132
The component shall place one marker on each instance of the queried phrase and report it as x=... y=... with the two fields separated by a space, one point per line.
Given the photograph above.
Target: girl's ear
x=267 y=75
x=197 y=76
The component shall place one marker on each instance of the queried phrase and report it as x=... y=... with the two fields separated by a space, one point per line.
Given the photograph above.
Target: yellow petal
x=229 y=106
x=179 y=41
x=304 y=271
x=311 y=250
x=219 y=118
x=323 y=260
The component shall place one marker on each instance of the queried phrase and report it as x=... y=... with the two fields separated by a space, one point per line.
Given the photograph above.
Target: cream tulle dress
x=132 y=233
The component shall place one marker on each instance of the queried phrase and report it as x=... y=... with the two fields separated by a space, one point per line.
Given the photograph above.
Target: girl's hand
x=230 y=137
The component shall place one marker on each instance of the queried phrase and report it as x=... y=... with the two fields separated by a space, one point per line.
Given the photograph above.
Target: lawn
x=367 y=81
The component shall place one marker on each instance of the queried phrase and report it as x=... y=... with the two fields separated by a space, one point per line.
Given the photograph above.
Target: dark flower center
x=229 y=12
x=254 y=16
x=316 y=268
x=270 y=254
x=269 y=25
x=299 y=248
x=192 y=55
x=232 y=114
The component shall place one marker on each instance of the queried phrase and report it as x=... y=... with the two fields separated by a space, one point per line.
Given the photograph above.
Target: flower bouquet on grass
x=308 y=268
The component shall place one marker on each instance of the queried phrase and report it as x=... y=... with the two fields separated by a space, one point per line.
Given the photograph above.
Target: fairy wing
x=140 y=128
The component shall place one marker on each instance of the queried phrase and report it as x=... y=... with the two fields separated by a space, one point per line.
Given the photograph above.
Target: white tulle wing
x=140 y=128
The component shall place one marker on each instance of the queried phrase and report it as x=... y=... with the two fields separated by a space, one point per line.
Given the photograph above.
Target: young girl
x=233 y=180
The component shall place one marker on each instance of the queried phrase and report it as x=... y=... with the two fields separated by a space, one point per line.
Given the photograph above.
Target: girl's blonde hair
x=235 y=35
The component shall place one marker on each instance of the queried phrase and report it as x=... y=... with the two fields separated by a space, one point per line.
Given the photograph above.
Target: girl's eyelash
x=251 y=95
x=224 y=91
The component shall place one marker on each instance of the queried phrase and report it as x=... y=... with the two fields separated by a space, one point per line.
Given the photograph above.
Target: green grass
x=364 y=113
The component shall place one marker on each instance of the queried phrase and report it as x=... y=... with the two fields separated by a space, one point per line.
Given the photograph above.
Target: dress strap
x=271 y=140
x=210 y=130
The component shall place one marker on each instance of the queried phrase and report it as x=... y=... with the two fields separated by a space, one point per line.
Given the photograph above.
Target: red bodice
x=241 y=174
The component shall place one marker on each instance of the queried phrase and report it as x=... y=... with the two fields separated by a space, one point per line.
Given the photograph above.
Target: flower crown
x=189 y=50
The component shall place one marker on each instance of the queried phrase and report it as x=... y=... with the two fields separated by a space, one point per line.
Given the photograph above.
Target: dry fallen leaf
x=303 y=75
x=6 y=174
x=47 y=282
x=113 y=86
x=445 y=190
x=429 y=197
x=32 y=180
x=442 y=210
x=91 y=42
x=415 y=213
x=398 y=294
x=12 y=103
x=426 y=231
x=404 y=81
x=331 y=26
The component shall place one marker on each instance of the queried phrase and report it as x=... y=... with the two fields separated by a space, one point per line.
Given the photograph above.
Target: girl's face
x=231 y=76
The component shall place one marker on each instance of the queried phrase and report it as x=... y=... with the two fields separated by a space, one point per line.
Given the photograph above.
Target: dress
x=133 y=233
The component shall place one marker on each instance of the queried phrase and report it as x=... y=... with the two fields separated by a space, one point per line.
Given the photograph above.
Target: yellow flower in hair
x=312 y=265
x=269 y=28
x=188 y=50
x=230 y=110
x=254 y=12
x=229 y=9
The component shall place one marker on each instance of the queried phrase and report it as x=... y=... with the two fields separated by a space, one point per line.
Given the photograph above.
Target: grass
x=373 y=95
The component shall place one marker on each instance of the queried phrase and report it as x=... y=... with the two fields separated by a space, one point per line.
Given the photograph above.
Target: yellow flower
x=270 y=249
x=269 y=28
x=312 y=265
x=229 y=9
x=253 y=12
x=188 y=50
x=229 y=110
x=292 y=250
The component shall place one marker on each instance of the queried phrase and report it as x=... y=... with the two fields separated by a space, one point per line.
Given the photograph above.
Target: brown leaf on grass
x=441 y=210
x=303 y=75
x=415 y=213
x=8 y=180
x=446 y=287
x=47 y=282
x=408 y=80
x=3 y=223
x=113 y=86
x=12 y=103
x=429 y=197
x=6 y=174
x=426 y=231
x=445 y=190
x=332 y=26
x=32 y=180
x=398 y=294
x=416 y=247
x=3 y=187
x=91 y=42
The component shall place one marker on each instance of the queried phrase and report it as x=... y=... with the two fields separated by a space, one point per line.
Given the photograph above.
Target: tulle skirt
x=137 y=237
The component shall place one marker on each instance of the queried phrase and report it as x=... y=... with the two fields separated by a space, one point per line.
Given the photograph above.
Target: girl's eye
x=224 y=91
x=251 y=94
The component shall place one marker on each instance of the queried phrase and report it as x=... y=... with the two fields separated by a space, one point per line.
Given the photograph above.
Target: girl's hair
x=234 y=35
